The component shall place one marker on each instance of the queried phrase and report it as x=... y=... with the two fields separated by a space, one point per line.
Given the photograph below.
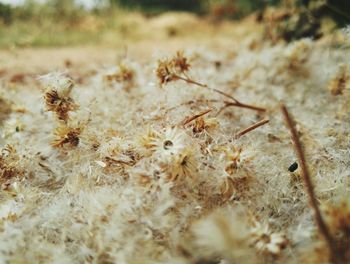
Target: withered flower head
x=266 y=241
x=149 y=140
x=59 y=82
x=232 y=158
x=165 y=71
x=66 y=136
x=181 y=165
x=9 y=163
x=59 y=105
x=180 y=62
x=57 y=94
x=122 y=74
x=204 y=124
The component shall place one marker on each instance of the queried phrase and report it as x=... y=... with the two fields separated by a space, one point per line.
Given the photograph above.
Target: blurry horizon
x=85 y=3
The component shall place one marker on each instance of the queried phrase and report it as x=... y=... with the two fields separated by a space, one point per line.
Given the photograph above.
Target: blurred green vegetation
x=62 y=22
x=228 y=8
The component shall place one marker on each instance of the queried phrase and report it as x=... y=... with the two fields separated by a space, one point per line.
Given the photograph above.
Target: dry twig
x=334 y=257
x=174 y=69
x=191 y=118
x=252 y=127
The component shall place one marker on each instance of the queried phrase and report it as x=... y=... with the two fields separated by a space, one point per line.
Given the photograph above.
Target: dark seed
x=167 y=144
x=293 y=167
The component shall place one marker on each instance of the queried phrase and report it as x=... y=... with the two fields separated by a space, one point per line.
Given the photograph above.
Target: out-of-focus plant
x=6 y=14
x=65 y=11
x=157 y=6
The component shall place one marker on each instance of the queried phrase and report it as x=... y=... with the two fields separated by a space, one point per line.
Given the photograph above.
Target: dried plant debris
x=57 y=95
x=291 y=23
x=341 y=81
x=5 y=109
x=9 y=164
x=66 y=136
x=123 y=74
x=182 y=173
x=266 y=241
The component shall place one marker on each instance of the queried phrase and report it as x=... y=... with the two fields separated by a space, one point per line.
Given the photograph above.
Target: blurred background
x=75 y=22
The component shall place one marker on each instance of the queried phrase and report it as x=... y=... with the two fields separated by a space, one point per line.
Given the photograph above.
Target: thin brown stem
x=309 y=187
x=234 y=102
x=192 y=102
x=190 y=119
x=252 y=127
x=242 y=105
x=188 y=80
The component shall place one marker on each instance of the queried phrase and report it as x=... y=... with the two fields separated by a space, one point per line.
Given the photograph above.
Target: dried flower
x=170 y=149
x=123 y=74
x=172 y=141
x=149 y=139
x=179 y=166
x=66 y=136
x=232 y=158
x=9 y=164
x=266 y=241
x=340 y=81
x=57 y=94
x=180 y=63
x=225 y=234
x=60 y=105
x=114 y=146
x=58 y=82
x=201 y=123
x=204 y=124
x=165 y=72
x=174 y=69
x=149 y=175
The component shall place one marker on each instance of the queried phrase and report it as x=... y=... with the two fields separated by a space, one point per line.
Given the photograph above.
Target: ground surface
x=128 y=178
